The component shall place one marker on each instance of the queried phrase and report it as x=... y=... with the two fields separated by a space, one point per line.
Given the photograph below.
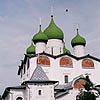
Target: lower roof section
x=39 y=82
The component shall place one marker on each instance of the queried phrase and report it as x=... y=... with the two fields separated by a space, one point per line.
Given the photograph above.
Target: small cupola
x=53 y=31
x=78 y=40
x=66 y=50
x=30 y=49
x=40 y=37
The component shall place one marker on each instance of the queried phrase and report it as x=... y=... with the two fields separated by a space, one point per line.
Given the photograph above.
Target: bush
x=87 y=93
x=0 y=97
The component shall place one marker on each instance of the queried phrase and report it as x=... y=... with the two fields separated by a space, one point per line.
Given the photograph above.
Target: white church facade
x=50 y=72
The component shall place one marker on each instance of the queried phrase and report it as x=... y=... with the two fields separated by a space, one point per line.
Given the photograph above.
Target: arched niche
x=19 y=98
x=43 y=60
x=79 y=84
x=66 y=62
x=87 y=63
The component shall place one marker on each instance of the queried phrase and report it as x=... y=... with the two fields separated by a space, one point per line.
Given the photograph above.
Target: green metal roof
x=78 y=40
x=53 y=31
x=31 y=49
x=40 y=37
x=66 y=50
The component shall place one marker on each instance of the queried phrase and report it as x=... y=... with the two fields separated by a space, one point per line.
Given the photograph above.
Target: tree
x=0 y=97
x=87 y=93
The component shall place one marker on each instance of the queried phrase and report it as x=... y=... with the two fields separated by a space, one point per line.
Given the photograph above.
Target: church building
x=49 y=71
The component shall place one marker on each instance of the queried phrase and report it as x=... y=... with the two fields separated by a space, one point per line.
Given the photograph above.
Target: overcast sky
x=19 y=21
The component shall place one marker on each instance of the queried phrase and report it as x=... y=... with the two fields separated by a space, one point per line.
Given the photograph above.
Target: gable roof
x=39 y=75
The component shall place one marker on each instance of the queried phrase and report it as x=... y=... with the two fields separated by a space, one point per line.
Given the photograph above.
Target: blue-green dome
x=53 y=31
x=31 y=49
x=40 y=37
x=78 y=40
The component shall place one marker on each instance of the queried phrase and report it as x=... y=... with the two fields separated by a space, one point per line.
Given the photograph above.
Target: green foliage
x=87 y=93
x=89 y=85
x=0 y=97
x=87 y=96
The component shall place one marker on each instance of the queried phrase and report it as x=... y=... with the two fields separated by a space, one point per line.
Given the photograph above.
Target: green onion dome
x=53 y=31
x=40 y=37
x=78 y=40
x=31 y=49
x=66 y=50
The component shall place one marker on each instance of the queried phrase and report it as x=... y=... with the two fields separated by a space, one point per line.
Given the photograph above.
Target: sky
x=19 y=21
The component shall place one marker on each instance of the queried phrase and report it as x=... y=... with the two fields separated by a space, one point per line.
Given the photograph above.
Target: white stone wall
x=33 y=65
x=71 y=96
x=47 y=92
x=24 y=75
x=28 y=72
x=14 y=94
x=55 y=45
x=32 y=92
x=57 y=73
x=78 y=50
x=40 y=47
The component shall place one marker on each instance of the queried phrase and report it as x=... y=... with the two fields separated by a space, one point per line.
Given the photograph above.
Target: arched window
x=43 y=60
x=87 y=63
x=65 y=61
x=19 y=98
x=39 y=92
x=79 y=84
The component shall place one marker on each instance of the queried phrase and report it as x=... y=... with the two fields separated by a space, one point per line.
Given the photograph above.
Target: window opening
x=39 y=92
x=52 y=50
x=60 y=50
x=66 y=78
